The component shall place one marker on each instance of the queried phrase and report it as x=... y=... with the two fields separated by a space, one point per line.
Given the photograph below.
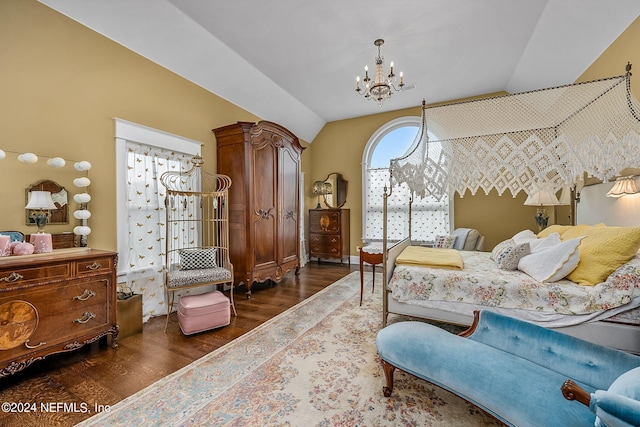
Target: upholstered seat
x=468 y=239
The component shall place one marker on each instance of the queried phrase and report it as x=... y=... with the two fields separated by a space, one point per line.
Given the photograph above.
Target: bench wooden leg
x=388 y=373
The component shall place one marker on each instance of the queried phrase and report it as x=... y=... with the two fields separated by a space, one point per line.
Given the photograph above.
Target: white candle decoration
x=2 y=154
x=82 y=198
x=82 y=166
x=82 y=230
x=28 y=158
x=56 y=162
x=82 y=214
x=82 y=182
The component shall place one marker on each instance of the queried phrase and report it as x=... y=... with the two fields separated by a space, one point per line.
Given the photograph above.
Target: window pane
x=429 y=216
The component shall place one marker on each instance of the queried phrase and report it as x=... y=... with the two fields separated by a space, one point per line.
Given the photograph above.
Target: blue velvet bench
x=520 y=373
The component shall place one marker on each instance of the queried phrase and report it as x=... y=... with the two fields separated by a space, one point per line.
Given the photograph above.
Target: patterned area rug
x=313 y=365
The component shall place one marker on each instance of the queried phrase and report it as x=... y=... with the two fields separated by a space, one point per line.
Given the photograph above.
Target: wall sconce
x=624 y=186
x=541 y=199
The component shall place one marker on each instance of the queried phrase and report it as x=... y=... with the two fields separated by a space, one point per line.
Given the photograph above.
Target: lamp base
x=41 y=243
x=542 y=219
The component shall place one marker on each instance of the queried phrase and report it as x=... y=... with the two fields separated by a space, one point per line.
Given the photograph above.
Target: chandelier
x=380 y=88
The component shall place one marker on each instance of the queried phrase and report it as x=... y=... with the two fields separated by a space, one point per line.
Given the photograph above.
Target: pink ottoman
x=197 y=313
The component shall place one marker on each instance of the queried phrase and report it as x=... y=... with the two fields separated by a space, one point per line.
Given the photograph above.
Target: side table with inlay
x=371 y=254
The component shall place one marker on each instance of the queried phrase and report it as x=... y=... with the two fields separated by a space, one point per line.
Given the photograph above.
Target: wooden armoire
x=263 y=161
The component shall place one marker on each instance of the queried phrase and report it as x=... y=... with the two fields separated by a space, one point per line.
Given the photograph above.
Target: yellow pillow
x=602 y=251
x=555 y=228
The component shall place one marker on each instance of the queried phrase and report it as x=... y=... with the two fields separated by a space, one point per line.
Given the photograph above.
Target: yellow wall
x=62 y=84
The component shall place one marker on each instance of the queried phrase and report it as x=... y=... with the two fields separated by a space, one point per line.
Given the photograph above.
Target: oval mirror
x=336 y=190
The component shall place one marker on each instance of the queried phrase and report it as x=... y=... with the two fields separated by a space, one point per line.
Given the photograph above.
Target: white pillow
x=528 y=236
x=552 y=239
x=525 y=236
x=552 y=263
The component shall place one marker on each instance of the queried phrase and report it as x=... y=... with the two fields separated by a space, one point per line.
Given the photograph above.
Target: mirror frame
x=339 y=185
x=58 y=216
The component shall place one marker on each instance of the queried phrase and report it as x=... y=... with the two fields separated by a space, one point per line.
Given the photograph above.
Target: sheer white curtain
x=145 y=222
x=430 y=217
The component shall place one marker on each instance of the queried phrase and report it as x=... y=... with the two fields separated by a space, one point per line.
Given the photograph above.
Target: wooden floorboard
x=96 y=374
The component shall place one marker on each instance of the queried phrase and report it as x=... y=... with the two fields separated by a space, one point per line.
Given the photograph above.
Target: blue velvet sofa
x=515 y=370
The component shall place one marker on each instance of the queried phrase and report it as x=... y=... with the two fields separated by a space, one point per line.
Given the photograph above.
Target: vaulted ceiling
x=295 y=62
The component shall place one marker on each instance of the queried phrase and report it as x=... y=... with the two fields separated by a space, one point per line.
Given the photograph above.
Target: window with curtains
x=142 y=156
x=146 y=216
x=430 y=217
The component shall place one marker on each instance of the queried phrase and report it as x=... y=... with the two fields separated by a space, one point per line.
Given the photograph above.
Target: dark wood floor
x=98 y=375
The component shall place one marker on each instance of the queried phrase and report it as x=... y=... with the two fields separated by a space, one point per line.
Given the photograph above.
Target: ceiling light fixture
x=380 y=88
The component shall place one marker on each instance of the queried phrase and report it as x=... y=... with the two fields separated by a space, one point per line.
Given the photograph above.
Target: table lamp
x=40 y=204
x=541 y=199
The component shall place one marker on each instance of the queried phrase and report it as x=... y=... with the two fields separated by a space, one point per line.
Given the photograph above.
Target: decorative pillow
x=603 y=250
x=444 y=242
x=500 y=247
x=553 y=263
x=535 y=243
x=555 y=228
x=508 y=256
x=193 y=259
x=627 y=385
x=551 y=240
x=524 y=236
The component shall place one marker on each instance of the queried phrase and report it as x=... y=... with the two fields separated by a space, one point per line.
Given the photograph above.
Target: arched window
x=430 y=217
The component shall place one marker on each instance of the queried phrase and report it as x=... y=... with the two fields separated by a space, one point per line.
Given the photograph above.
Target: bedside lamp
x=40 y=203
x=541 y=199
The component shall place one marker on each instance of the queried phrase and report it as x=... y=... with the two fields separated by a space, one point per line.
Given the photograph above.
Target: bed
x=607 y=313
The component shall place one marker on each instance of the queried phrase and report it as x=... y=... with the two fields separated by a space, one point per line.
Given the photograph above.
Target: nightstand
x=371 y=254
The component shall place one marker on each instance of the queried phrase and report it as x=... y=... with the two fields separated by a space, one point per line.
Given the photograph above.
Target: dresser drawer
x=51 y=299
x=325 y=244
x=324 y=221
x=29 y=274
x=94 y=266
x=61 y=327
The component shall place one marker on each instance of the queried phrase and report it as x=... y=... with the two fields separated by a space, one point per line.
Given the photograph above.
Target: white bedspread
x=481 y=284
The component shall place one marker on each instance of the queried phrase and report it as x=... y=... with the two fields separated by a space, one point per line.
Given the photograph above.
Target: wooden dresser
x=263 y=161
x=55 y=302
x=329 y=233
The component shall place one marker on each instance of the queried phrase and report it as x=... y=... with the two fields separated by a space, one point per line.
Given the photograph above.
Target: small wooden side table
x=371 y=254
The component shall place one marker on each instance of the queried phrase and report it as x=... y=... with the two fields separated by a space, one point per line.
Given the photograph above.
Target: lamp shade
x=624 y=186
x=542 y=198
x=318 y=187
x=40 y=200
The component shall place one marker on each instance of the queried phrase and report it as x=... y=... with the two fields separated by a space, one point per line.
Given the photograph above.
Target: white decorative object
x=56 y=162
x=82 y=214
x=82 y=230
x=28 y=158
x=82 y=198
x=2 y=154
x=82 y=182
x=518 y=142
x=82 y=166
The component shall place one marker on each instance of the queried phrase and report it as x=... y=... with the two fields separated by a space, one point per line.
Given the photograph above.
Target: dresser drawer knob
x=31 y=347
x=94 y=266
x=88 y=293
x=85 y=317
x=13 y=277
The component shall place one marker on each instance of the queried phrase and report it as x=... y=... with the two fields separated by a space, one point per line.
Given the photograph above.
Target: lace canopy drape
x=539 y=140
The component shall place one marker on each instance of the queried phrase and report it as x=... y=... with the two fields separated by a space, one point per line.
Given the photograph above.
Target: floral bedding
x=482 y=283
